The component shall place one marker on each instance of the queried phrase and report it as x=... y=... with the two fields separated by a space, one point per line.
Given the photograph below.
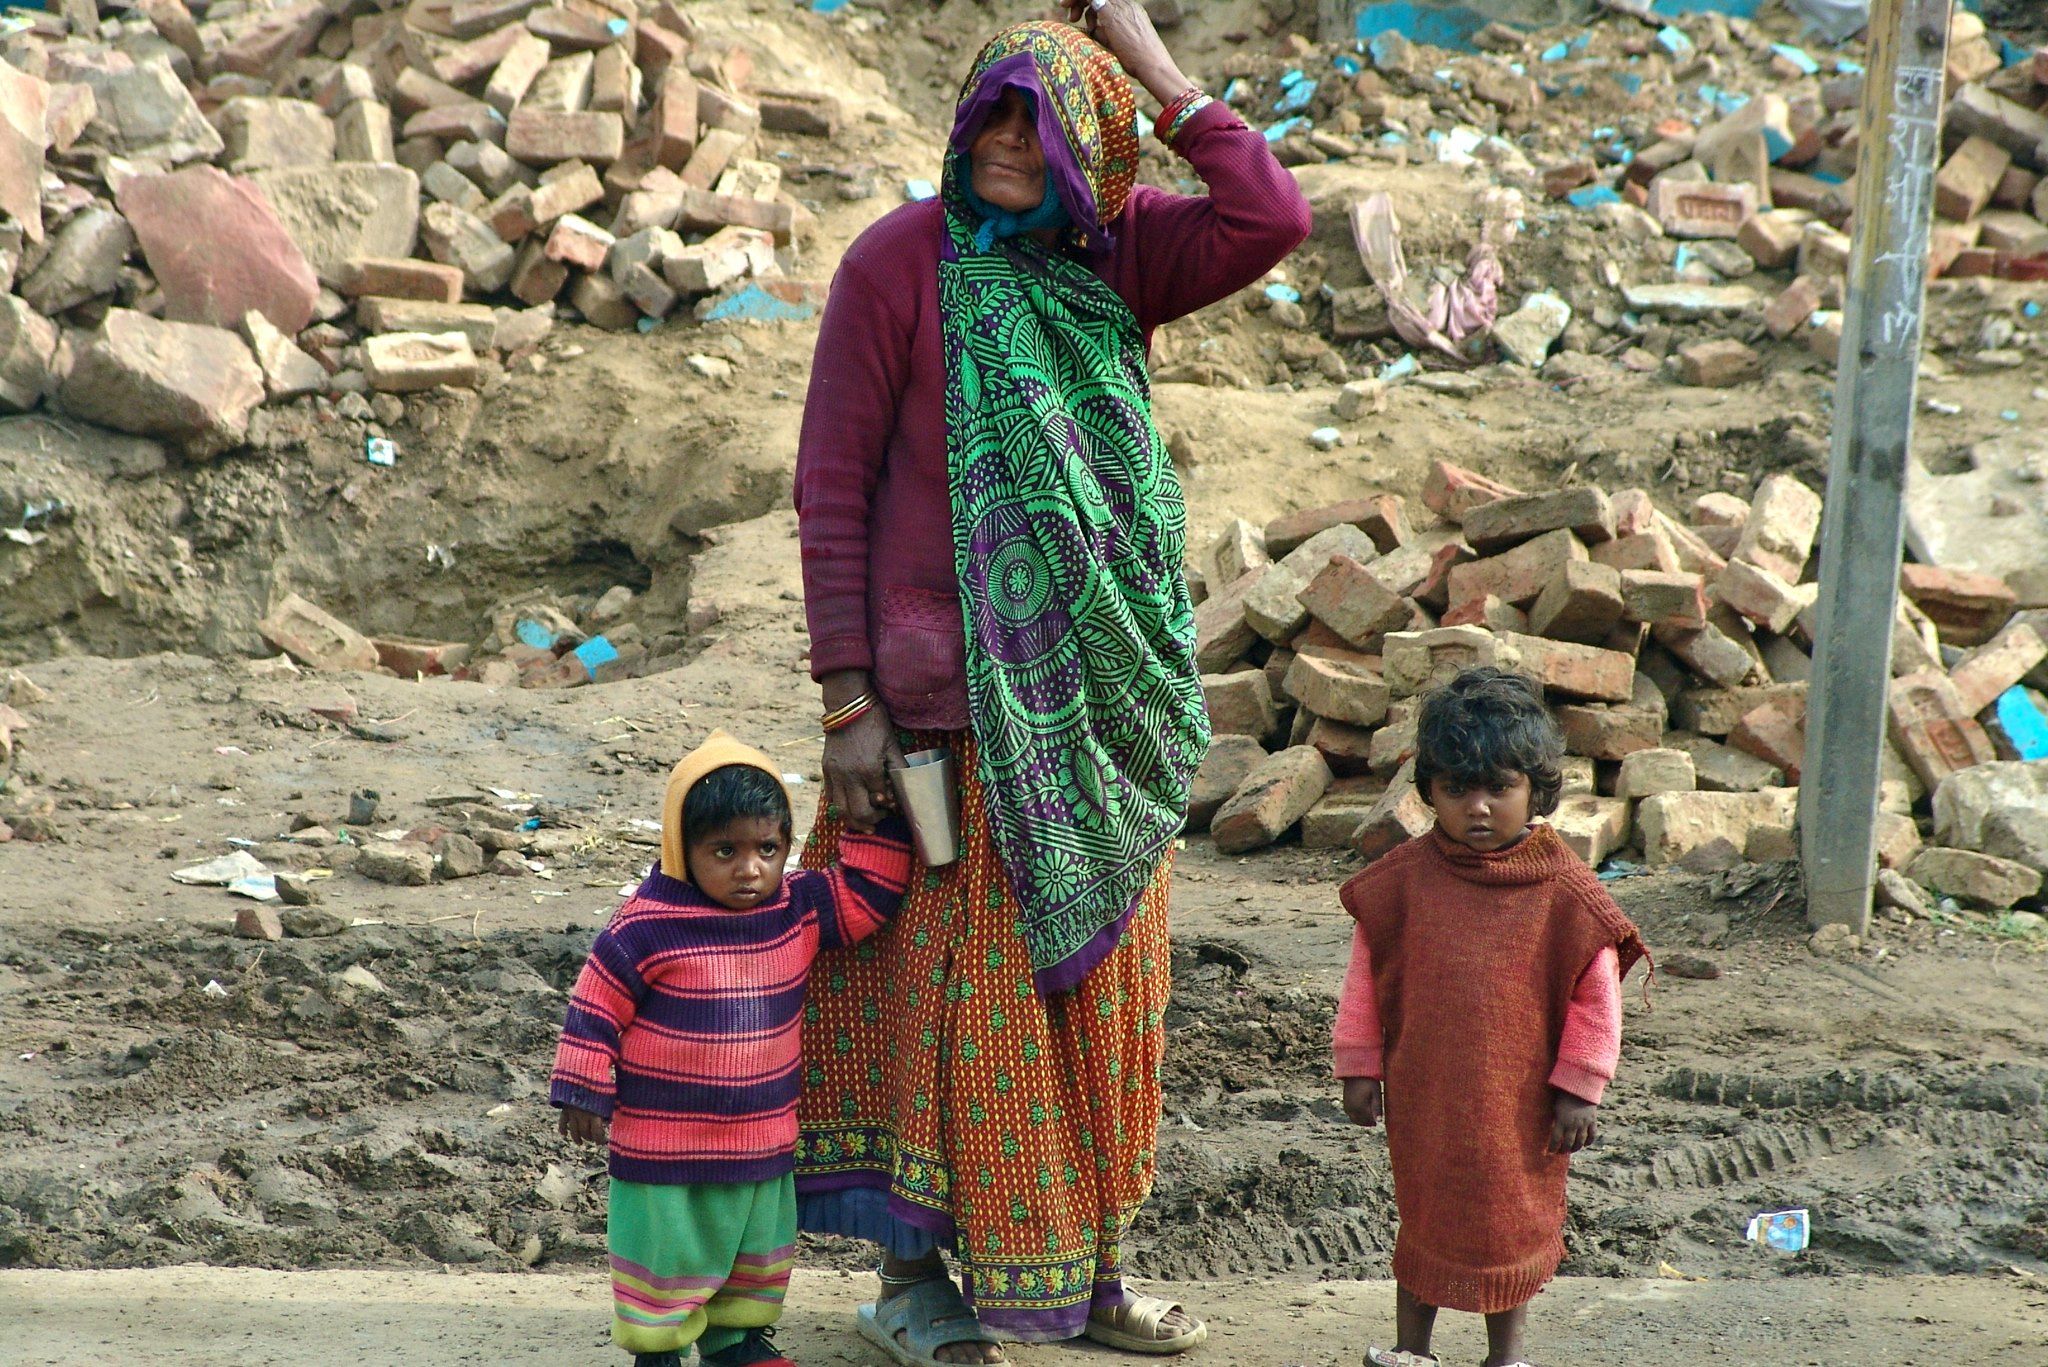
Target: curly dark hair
x=1485 y=723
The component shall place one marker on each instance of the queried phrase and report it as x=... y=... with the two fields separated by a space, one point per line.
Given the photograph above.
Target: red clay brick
x=1933 y=728
x=1338 y=689
x=1346 y=749
x=1270 y=800
x=1985 y=673
x=1651 y=550
x=1967 y=609
x=1583 y=603
x=1775 y=733
x=1518 y=576
x=1450 y=491
x=1660 y=598
x=1348 y=599
x=1399 y=815
x=1609 y=732
x=1507 y=522
x=1576 y=671
x=1381 y=517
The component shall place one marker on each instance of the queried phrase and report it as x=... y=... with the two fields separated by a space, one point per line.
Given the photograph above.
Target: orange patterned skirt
x=1017 y=1129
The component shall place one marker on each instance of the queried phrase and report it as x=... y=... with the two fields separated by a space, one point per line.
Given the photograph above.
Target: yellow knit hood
x=718 y=750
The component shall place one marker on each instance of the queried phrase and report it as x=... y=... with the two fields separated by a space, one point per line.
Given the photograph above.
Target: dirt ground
x=189 y=1108
x=309 y=1319
x=300 y=1122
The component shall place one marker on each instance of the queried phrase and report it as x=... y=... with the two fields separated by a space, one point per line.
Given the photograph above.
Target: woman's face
x=1008 y=163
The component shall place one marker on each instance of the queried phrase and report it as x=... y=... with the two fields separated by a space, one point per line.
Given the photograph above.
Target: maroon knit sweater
x=1474 y=957
x=872 y=499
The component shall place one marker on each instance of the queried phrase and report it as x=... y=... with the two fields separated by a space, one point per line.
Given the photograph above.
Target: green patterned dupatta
x=1068 y=531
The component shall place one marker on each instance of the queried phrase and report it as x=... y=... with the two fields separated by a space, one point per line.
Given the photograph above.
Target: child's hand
x=583 y=1127
x=1362 y=1100
x=1572 y=1127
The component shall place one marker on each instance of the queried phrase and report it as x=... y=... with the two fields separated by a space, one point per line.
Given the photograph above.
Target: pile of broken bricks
x=203 y=214
x=1706 y=161
x=534 y=641
x=1676 y=656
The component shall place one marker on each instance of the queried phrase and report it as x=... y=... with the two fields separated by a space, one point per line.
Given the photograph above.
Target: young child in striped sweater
x=683 y=1040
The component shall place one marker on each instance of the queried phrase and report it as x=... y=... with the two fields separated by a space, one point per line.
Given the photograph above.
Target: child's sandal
x=1398 y=1357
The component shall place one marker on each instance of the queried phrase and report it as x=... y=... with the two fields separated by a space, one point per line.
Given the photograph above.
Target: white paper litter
x=219 y=873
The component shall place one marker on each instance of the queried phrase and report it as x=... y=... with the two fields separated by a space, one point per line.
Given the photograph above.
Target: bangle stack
x=1178 y=111
x=848 y=714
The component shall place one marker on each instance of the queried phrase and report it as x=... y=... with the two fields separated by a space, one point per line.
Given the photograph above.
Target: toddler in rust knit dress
x=1481 y=1015
x=683 y=1040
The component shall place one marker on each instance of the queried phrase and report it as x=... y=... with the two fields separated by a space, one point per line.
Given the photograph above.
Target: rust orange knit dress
x=1474 y=958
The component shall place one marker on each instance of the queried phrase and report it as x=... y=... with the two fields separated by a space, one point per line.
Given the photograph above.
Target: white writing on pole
x=1900 y=278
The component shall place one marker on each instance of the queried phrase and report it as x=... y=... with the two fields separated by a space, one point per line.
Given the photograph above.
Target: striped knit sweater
x=685 y=1026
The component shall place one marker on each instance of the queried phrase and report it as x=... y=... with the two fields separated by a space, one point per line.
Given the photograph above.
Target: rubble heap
x=1676 y=655
x=1708 y=163
x=205 y=214
x=534 y=641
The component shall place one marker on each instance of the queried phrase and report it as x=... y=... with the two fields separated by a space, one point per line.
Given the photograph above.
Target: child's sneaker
x=757 y=1349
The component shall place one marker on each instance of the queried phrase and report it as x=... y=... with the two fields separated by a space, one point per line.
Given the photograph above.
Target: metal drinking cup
x=928 y=795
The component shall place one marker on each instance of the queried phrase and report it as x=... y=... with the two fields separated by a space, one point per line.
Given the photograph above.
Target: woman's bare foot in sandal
x=898 y=1276
x=1175 y=1324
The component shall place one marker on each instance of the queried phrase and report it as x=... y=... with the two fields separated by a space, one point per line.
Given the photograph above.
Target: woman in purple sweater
x=992 y=539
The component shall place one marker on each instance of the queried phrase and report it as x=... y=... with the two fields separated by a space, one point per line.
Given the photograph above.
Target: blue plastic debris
x=1277 y=131
x=2023 y=723
x=1282 y=293
x=2012 y=52
x=534 y=634
x=1297 y=97
x=1787 y=1231
x=1238 y=91
x=757 y=305
x=532 y=823
x=594 y=652
x=1681 y=258
x=1592 y=197
x=1845 y=67
x=917 y=191
x=1445 y=26
x=2010 y=415
x=2031 y=308
x=1401 y=369
x=1556 y=52
x=1673 y=40
x=1734 y=9
x=827 y=6
x=1346 y=64
x=646 y=325
x=1292 y=77
x=380 y=451
x=1798 y=57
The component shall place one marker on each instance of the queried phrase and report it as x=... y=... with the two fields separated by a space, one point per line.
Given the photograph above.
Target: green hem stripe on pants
x=700 y=1262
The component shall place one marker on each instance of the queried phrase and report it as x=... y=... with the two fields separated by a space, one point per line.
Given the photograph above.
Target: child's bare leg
x=1504 y=1337
x=1414 y=1322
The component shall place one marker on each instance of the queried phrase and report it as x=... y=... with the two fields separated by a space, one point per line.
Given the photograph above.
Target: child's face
x=739 y=865
x=1485 y=816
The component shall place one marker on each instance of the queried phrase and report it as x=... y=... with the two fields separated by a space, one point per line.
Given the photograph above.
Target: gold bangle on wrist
x=840 y=716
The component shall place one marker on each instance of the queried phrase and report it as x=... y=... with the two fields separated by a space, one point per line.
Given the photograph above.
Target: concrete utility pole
x=1862 y=526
